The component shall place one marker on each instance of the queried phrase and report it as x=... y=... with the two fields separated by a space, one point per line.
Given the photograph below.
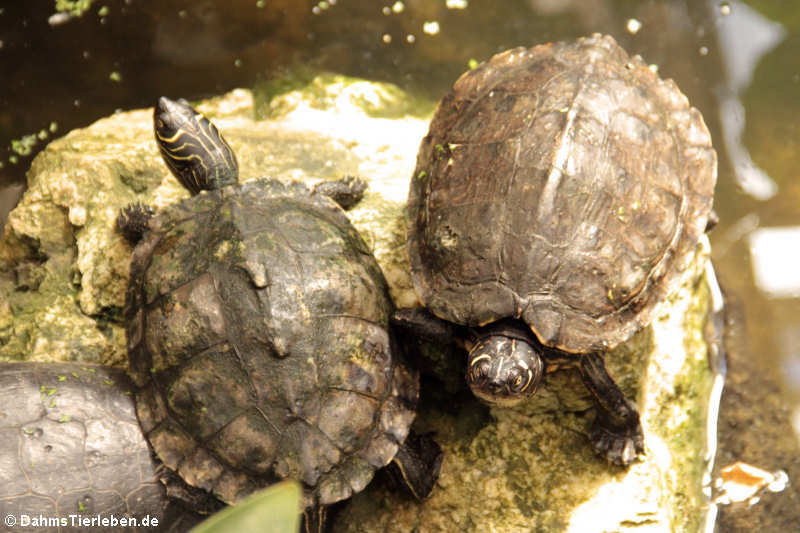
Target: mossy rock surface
x=63 y=273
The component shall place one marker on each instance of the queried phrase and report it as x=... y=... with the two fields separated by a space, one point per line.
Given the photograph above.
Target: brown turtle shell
x=566 y=185
x=257 y=329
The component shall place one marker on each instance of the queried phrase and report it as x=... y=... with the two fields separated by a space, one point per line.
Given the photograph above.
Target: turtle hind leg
x=192 y=498
x=133 y=220
x=617 y=431
x=346 y=192
x=416 y=465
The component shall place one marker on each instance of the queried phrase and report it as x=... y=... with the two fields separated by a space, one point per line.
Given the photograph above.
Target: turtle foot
x=133 y=221
x=346 y=192
x=620 y=446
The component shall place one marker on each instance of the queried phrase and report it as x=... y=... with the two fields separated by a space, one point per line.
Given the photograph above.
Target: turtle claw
x=346 y=191
x=619 y=446
x=133 y=220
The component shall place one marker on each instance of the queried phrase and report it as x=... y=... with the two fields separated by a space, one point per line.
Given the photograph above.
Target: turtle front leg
x=133 y=220
x=420 y=322
x=617 y=431
x=346 y=191
x=416 y=465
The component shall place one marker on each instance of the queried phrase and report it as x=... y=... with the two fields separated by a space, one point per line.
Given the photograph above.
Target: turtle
x=70 y=444
x=258 y=332
x=557 y=200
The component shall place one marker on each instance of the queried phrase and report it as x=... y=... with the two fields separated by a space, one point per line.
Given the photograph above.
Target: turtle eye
x=479 y=370
x=519 y=380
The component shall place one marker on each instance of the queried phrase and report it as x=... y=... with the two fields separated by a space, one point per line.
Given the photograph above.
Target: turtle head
x=504 y=370
x=192 y=147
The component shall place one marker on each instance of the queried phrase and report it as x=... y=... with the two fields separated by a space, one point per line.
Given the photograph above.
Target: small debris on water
x=774 y=254
x=741 y=482
x=430 y=28
x=633 y=26
x=57 y=19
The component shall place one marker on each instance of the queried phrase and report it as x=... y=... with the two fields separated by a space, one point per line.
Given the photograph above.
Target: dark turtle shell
x=70 y=444
x=566 y=185
x=257 y=327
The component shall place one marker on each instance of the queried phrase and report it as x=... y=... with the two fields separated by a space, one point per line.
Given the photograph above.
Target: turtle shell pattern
x=70 y=442
x=257 y=327
x=566 y=185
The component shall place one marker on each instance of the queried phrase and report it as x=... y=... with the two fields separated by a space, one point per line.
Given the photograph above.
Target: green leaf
x=275 y=509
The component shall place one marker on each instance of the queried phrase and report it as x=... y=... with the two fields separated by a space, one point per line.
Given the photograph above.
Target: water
x=737 y=63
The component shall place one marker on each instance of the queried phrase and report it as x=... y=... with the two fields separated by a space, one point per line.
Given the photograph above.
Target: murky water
x=737 y=62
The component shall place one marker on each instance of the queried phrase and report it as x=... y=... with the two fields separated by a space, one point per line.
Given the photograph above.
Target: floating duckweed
x=73 y=7
x=24 y=145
